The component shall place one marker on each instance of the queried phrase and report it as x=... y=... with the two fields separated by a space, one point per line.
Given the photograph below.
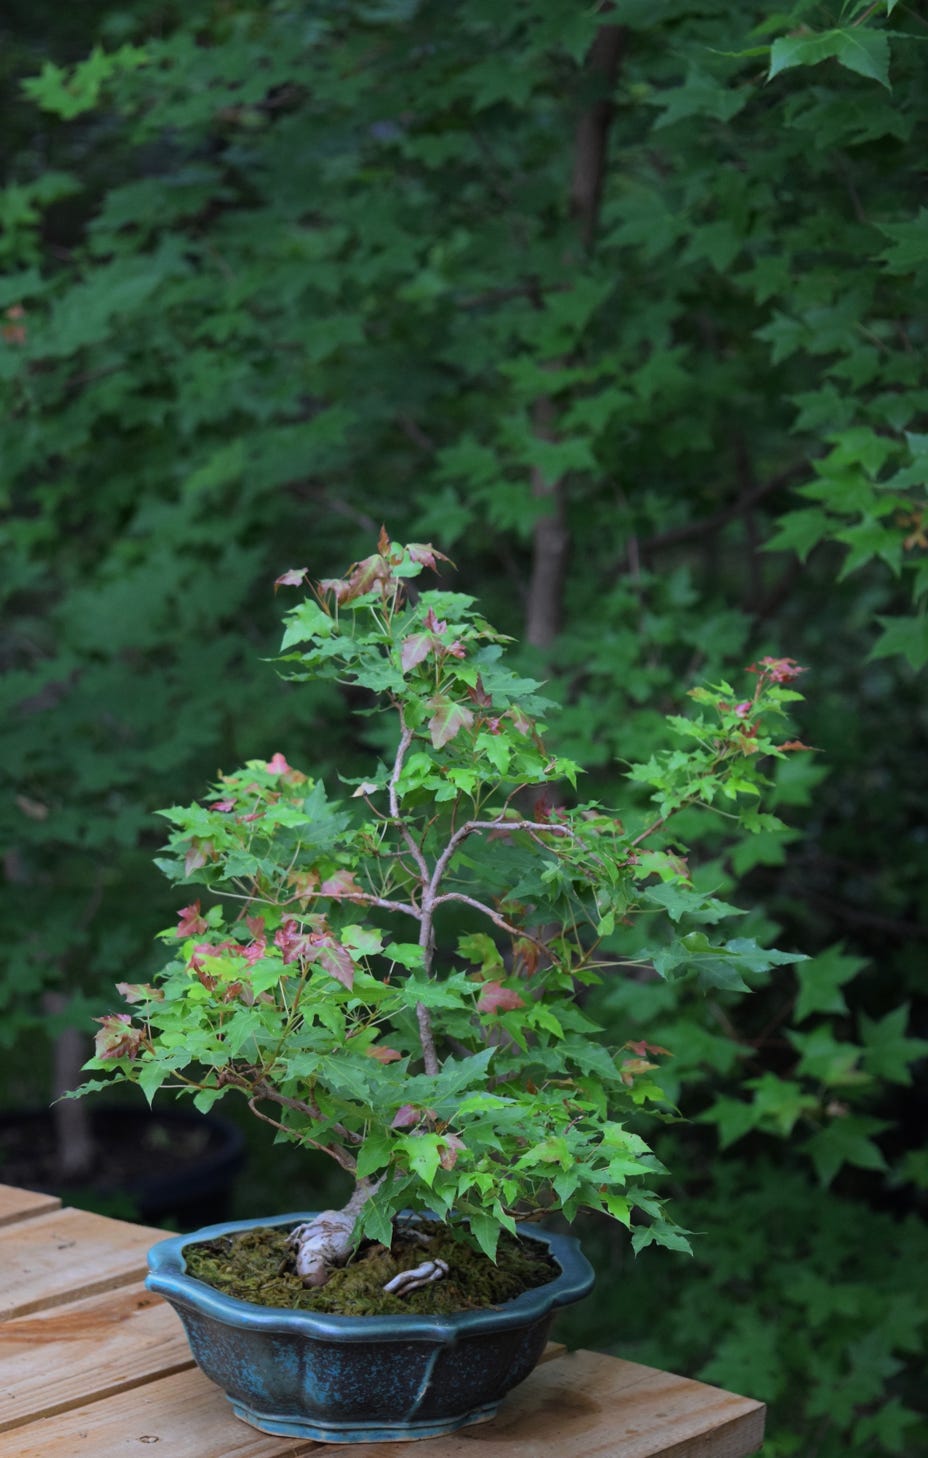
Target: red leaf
x=451 y=1148
x=117 y=1038
x=277 y=765
x=304 y=884
x=383 y=1055
x=449 y=718
x=341 y=886
x=496 y=998
x=331 y=955
x=293 y=578
x=794 y=744
x=223 y=805
x=405 y=1117
x=479 y=694
x=139 y=992
x=425 y=553
x=190 y=922
x=383 y=543
x=362 y=577
x=416 y=648
x=642 y=1048
x=289 y=939
x=778 y=670
x=197 y=856
x=434 y=625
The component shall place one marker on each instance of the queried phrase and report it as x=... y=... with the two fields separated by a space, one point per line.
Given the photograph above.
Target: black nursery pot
x=351 y=1379
x=175 y=1165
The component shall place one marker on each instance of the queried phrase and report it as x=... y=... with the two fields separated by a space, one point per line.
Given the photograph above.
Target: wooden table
x=93 y=1366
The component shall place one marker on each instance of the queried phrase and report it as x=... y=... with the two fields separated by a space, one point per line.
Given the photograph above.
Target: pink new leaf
x=117 y=1037
x=405 y=1117
x=383 y=1055
x=139 y=992
x=426 y=555
x=190 y=923
x=293 y=578
x=331 y=955
x=495 y=998
x=450 y=1150
x=416 y=648
x=342 y=886
x=448 y=720
x=197 y=856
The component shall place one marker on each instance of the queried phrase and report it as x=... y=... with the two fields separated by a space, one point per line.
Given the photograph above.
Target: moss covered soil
x=257 y=1266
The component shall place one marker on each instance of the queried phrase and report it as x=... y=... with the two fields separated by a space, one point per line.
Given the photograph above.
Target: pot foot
x=360 y=1432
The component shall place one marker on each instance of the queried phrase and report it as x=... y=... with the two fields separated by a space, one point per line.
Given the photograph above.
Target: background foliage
x=622 y=306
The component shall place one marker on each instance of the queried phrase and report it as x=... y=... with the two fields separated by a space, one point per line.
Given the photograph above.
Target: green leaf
x=887 y=1051
x=905 y=635
x=821 y=979
x=863 y=51
x=376 y=1153
x=910 y=243
x=847 y=1139
x=486 y=1232
x=800 y=531
x=825 y=1059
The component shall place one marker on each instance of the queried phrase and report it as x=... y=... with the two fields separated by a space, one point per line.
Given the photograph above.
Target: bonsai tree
x=316 y=975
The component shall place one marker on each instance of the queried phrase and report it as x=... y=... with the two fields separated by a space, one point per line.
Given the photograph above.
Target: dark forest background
x=624 y=308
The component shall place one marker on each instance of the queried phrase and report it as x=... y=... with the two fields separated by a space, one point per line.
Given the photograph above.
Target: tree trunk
x=551 y=536
x=71 y=1119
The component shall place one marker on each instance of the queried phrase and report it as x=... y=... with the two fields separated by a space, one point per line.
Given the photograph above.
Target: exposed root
x=326 y=1242
x=418 y=1277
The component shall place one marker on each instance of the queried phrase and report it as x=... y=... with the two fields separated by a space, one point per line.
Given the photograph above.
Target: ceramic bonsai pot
x=348 y=1379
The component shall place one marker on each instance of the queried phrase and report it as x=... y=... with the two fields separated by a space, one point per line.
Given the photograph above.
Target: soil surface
x=257 y=1266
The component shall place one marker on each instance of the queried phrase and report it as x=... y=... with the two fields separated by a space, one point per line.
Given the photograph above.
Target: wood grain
x=85 y=1350
x=592 y=1406
x=50 y=1259
x=93 y=1366
x=584 y=1406
x=182 y=1416
x=21 y=1204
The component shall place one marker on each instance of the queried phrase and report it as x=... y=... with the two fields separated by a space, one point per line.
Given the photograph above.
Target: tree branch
x=341 y=1156
x=494 y=916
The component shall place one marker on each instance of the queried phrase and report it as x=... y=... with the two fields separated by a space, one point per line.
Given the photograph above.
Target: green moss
x=257 y=1266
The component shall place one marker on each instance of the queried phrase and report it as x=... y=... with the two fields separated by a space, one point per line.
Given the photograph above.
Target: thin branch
x=708 y=524
x=426 y=1038
x=414 y=432
x=393 y=792
x=494 y=916
x=367 y=898
x=441 y=865
x=339 y=1155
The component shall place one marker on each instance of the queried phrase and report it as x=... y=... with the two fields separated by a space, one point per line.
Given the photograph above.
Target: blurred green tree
x=624 y=306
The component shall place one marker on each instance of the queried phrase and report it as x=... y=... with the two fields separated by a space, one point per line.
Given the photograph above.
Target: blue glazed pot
x=350 y=1379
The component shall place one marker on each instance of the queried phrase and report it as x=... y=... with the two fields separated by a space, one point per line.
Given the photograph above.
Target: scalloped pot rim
x=168 y=1277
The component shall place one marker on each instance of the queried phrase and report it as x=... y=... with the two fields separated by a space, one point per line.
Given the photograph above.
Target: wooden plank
x=18 y=1204
x=588 y=1405
x=86 y=1350
x=585 y=1406
x=54 y=1258
x=184 y=1415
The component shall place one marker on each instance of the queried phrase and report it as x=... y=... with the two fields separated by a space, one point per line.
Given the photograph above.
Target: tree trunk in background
x=71 y=1118
x=551 y=538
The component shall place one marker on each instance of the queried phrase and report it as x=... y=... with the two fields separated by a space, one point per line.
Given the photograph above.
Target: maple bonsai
x=314 y=981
